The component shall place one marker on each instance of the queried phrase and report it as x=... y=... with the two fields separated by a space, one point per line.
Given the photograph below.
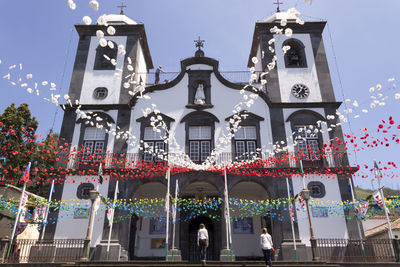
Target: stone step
x=209 y=264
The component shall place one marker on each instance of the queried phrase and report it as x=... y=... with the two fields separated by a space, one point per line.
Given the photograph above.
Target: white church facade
x=196 y=107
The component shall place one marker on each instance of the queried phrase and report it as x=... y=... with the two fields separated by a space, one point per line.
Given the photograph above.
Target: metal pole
x=395 y=248
x=16 y=219
x=291 y=222
x=111 y=221
x=306 y=196
x=167 y=223
x=47 y=210
x=228 y=214
x=174 y=219
x=384 y=207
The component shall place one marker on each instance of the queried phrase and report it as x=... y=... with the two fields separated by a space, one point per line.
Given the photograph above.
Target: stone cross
x=278 y=5
x=199 y=43
x=122 y=6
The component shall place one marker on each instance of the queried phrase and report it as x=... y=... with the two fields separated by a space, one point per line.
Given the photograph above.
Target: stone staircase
x=209 y=264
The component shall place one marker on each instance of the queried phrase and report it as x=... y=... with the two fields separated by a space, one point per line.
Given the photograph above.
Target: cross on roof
x=122 y=6
x=278 y=5
x=199 y=43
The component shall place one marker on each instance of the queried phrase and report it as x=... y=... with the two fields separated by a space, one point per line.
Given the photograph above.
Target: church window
x=153 y=142
x=83 y=190
x=105 y=57
x=246 y=143
x=93 y=144
x=100 y=93
x=317 y=189
x=199 y=143
x=307 y=142
x=295 y=57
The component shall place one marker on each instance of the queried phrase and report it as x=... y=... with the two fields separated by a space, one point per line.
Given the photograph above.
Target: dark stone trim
x=66 y=135
x=123 y=122
x=306 y=112
x=105 y=107
x=334 y=105
x=165 y=117
x=249 y=114
x=106 y=118
x=199 y=107
x=122 y=30
x=78 y=72
x=200 y=113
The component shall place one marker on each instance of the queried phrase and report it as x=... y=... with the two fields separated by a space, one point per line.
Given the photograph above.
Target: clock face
x=300 y=91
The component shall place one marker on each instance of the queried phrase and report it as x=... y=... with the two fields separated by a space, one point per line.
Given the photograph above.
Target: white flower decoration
x=87 y=20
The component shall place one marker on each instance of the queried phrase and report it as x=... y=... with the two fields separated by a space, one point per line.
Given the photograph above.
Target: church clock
x=300 y=91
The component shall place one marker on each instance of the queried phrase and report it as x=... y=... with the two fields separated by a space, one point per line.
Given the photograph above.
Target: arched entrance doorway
x=247 y=224
x=147 y=233
x=194 y=252
x=190 y=221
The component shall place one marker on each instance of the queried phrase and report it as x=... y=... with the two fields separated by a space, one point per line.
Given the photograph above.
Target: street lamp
x=93 y=194
x=306 y=194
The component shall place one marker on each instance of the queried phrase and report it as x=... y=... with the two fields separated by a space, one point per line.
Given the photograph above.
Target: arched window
x=295 y=57
x=153 y=146
x=105 y=56
x=200 y=127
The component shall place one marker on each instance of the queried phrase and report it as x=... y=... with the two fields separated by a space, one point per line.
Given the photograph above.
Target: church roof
x=118 y=19
x=290 y=16
x=382 y=228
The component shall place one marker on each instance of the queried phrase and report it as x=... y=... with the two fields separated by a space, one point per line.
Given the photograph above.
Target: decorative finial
x=122 y=6
x=277 y=3
x=199 y=43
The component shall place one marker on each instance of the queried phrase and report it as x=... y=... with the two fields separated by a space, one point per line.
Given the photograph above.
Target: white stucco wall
x=291 y=76
x=333 y=226
x=70 y=228
x=141 y=67
x=102 y=78
x=223 y=98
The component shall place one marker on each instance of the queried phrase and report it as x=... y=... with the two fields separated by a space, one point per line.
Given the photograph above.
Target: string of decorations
x=192 y=208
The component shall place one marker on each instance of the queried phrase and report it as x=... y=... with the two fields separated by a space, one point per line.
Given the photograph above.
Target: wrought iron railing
x=57 y=250
x=76 y=160
x=241 y=77
x=354 y=250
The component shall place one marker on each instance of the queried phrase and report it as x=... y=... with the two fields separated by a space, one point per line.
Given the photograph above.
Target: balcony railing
x=241 y=77
x=353 y=250
x=133 y=160
x=40 y=251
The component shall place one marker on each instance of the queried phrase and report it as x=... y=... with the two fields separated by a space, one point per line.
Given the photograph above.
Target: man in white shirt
x=266 y=246
x=202 y=242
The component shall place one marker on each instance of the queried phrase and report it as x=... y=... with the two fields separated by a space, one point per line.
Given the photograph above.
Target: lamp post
x=93 y=194
x=306 y=194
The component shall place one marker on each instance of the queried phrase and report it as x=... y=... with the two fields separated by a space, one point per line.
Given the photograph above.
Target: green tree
x=17 y=141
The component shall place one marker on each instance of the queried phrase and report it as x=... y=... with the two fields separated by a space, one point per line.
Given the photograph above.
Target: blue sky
x=40 y=36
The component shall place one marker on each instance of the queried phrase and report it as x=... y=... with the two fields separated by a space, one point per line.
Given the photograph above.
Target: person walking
x=202 y=242
x=266 y=246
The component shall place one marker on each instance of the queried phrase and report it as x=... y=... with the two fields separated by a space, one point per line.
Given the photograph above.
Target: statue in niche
x=200 y=97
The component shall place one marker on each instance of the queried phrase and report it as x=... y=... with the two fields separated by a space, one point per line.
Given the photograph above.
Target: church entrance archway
x=194 y=251
x=144 y=229
x=247 y=223
x=190 y=220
